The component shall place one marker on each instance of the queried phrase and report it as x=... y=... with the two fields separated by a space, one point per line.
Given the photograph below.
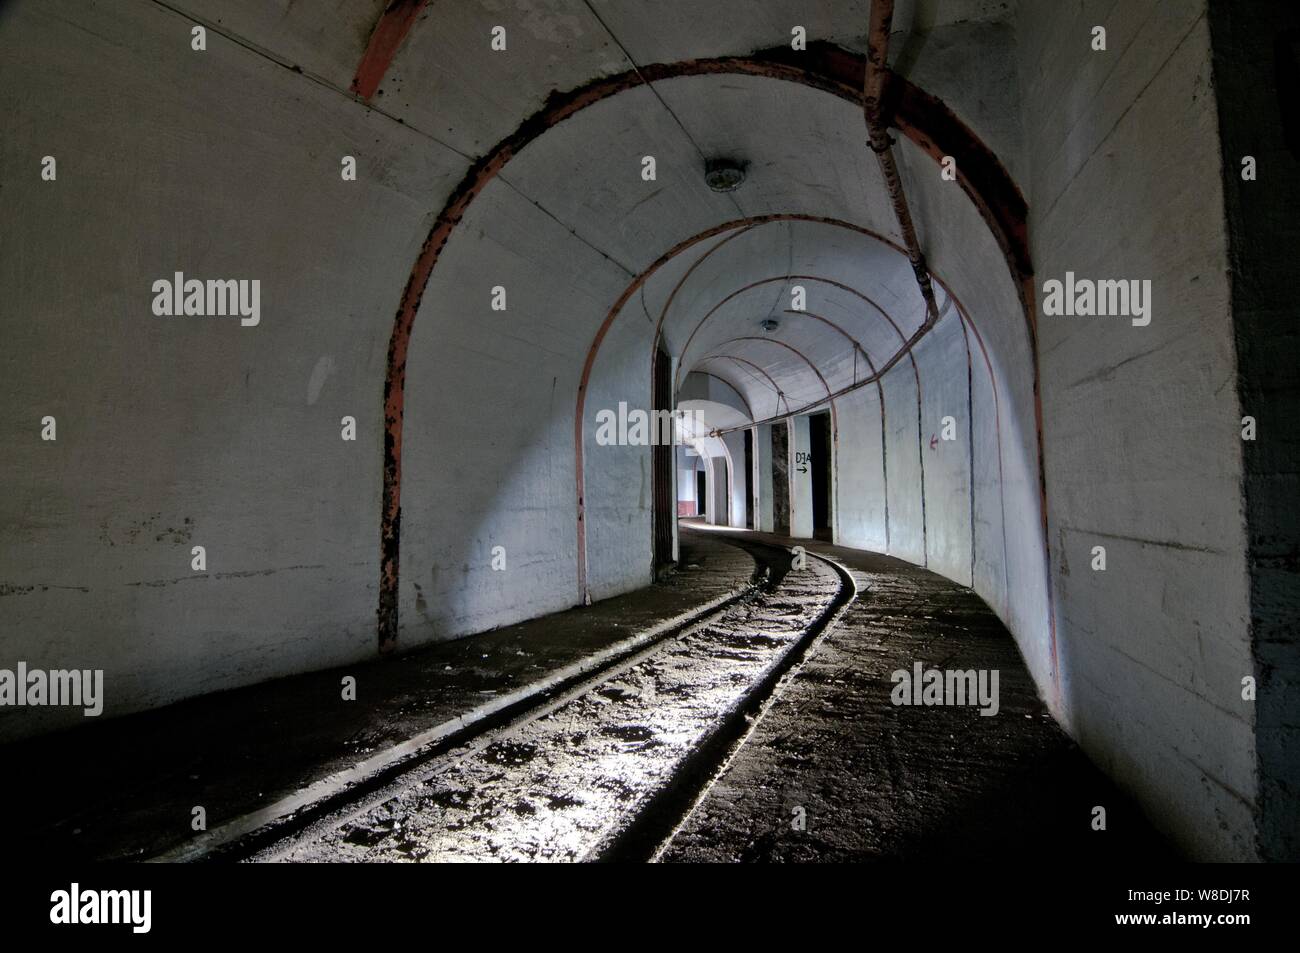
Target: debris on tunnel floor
x=836 y=771
x=564 y=781
x=144 y=767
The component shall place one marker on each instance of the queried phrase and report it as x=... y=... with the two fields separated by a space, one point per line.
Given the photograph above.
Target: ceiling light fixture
x=724 y=175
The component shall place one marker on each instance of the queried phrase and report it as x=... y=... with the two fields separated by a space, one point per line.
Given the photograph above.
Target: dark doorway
x=701 y=492
x=749 y=479
x=724 y=508
x=661 y=466
x=819 y=446
x=781 y=478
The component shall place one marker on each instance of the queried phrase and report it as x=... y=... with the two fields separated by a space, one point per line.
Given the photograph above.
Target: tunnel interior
x=676 y=216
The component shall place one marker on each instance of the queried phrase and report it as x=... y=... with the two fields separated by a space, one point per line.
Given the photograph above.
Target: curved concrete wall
x=185 y=431
x=1143 y=443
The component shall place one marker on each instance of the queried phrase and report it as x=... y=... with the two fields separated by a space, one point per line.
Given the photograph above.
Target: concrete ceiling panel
x=324 y=38
x=448 y=81
x=588 y=170
x=804 y=149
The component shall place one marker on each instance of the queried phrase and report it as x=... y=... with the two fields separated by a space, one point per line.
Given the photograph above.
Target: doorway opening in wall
x=749 y=476
x=722 y=515
x=819 y=446
x=661 y=467
x=701 y=493
x=781 y=478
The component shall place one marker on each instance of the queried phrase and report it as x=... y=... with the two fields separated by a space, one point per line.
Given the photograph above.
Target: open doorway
x=749 y=476
x=819 y=446
x=661 y=466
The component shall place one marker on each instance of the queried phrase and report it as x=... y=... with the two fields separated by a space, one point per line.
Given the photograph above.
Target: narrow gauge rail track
x=602 y=767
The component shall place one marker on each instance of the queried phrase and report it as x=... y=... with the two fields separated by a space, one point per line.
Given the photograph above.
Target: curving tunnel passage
x=705 y=269
x=855 y=326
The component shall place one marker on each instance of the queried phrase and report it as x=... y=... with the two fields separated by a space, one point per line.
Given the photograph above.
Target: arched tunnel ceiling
x=805 y=157
x=586 y=172
x=861 y=305
x=444 y=59
x=828 y=260
x=804 y=152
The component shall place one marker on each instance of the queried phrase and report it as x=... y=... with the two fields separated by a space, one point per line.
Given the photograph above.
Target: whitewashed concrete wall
x=1142 y=426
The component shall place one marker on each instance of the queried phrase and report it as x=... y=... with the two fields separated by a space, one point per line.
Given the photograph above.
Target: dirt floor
x=561 y=785
x=125 y=788
x=836 y=772
x=705 y=718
